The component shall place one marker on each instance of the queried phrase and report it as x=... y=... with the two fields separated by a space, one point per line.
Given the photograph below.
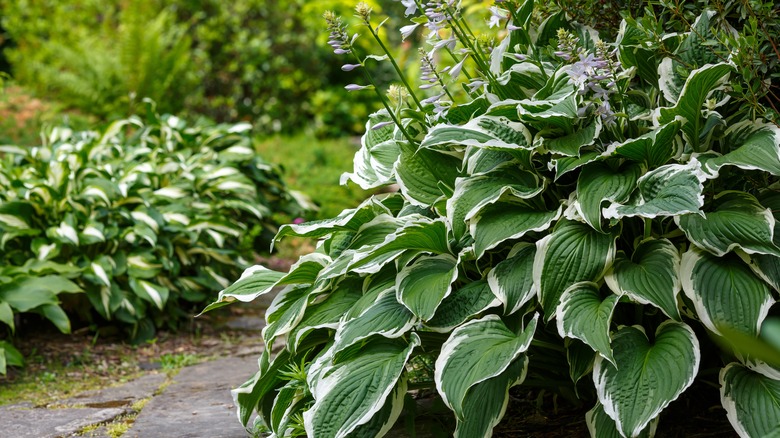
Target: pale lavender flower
x=427 y=70
x=356 y=87
x=411 y=7
x=408 y=30
x=496 y=16
x=433 y=99
x=475 y=84
x=350 y=67
x=448 y=43
x=457 y=68
x=338 y=38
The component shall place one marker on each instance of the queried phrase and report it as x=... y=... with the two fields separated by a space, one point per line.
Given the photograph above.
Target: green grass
x=314 y=166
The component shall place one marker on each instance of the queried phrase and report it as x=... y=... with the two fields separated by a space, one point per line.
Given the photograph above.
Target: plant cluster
x=587 y=214
x=143 y=221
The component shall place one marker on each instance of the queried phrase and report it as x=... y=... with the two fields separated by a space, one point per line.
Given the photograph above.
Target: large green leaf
x=255 y=281
x=750 y=400
x=598 y=183
x=512 y=281
x=601 y=426
x=724 y=291
x=752 y=146
x=646 y=377
x=585 y=315
x=423 y=285
x=7 y=315
x=574 y=252
x=485 y=402
x=474 y=193
x=286 y=311
x=697 y=88
x=462 y=304
x=151 y=292
x=669 y=190
x=570 y=145
x=373 y=163
x=504 y=221
x=483 y=131
x=650 y=276
x=9 y=355
x=386 y=317
x=475 y=352
x=27 y=293
x=57 y=316
x=350 y=219
x=326 y=314
x=738 y=221
x=420 y=172
x=654 y=148
x=352 y=391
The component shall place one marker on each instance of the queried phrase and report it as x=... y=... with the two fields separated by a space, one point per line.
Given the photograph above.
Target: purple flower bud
x=356 y=87
x=432 y=99
x=408 y=30
x=350 y=67
x=380 y=125
x=456 y=69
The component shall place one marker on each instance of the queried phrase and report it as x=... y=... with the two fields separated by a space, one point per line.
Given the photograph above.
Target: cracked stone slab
x=198 y=403
x=118 y=396
x=26 y=422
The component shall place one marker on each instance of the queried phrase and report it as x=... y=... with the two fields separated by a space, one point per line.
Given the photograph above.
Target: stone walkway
x=194 y=403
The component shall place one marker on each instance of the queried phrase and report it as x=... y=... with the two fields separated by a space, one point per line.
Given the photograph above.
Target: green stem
x=395 y=65
x=547 y=345
x=648 y=228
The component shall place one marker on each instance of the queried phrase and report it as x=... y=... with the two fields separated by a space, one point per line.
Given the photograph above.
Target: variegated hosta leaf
x=485 y=403
x=751 y=401
x=697 y=88
x=650 y=276
x=598 y=182
x=669 y=190
x=350 y=219
x=753 y=146
x=285 y=312
x=381 y=423
x=462 y=304
x=251 y=393
x=738 y=221
x=373 y=163
x=570 y=145
x=386 y=317
x=326 y=314
x=350 y=392
x=655 y=148
x=479 y=161
x=483 y=131
x=601 y=426
x=512 y=281
x=503 y=221
x=420 y=172
x=255 y=281
x=583 y=314
x=574 y=252
x=149 y=291
x=474 y=193
x=561 y=116
x=724 y=291
x=648 y=376
x=580 y=358
x=475 y=352
x=423 y=285
x=564 y=165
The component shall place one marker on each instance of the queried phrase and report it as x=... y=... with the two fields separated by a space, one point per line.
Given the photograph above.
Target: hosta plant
x=584 y=209
x=145 y=221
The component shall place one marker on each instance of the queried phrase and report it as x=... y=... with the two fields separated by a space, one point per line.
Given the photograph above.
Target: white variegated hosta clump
x=580 y=207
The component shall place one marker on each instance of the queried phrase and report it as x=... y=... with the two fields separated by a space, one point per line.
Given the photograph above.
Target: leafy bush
x=142 y=220
x=593 y=217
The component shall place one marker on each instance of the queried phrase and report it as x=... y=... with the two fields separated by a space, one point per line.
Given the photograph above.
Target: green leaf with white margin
x=462 y=304
x=583 y=314
x=561 y=116
x=753 y=145
x=475 y=352
x=326 y=314
x=511 y=280
x=420 y=171
x=580 y=358
x=570 y=145
x=485 y=402
x=738 y=221
x=483 y=131
x=373 y=163
x=669 y=190
x=598 y=182
x=750 y=400
x=305 y=270
x=386 y=317
x=650 y=276
x=572 y=253
x=350 y=219
x=255 y=281
x=285 y=312
x=648 y=376
x=150 y=292
x=504 y=221
x=385 y=419
x=724 y=291
x=697 y=88
x=694 y=51
x=564 y=165
x=601 y=426
x=654 y=148
x=475 y=192
x=423 y=285
x=352 y=391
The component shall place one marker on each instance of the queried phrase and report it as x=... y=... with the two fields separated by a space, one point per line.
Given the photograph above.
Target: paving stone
x=118 y=396
x=198 y=403
x=27 y=422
